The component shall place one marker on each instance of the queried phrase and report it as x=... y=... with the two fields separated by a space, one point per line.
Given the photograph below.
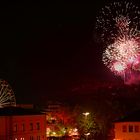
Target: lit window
x=31 y=126
x=124 y=128
x=38 y=126
x=136 y=128
x=130 y=128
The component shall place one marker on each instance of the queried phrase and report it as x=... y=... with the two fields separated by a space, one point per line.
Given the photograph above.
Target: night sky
x=49 y=49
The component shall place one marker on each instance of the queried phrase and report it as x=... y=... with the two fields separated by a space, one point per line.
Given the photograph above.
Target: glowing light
x=86 y=113
x=73 y=132
x=54 y=133
x=87 y=134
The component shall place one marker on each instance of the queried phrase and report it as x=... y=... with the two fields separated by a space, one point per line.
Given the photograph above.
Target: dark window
x=31 y=138
x=15 y=128
x=136 y=128
x=31 y=126
x=38 y=137
x=38 y=126
x=53 y=121
x=124 y=128
x=130 y=128
x=23 y=127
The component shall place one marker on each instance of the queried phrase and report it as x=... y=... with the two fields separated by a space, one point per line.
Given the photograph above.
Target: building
x=53 y=106
x=128 y=127
x=22 y=124
x=28 y=106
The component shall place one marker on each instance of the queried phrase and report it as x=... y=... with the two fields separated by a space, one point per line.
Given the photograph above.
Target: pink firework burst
x=121 y=55
x=118 y=67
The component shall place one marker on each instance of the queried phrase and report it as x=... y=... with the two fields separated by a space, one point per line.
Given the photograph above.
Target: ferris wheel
x=7 y=97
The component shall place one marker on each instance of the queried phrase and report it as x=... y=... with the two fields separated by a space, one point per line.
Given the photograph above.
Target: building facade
x=128 y=128
x=127 y=131
x=22 y=124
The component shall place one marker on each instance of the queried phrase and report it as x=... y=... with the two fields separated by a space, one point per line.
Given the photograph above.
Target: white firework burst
x=118 y=19
x=125 y=52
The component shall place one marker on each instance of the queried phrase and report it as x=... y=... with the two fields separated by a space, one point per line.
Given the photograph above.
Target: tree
x=87 y=125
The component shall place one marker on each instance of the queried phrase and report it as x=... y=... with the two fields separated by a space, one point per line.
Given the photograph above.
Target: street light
x=87 y=134
x=86 y=114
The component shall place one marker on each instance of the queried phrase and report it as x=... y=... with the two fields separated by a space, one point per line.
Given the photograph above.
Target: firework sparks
x=118 y=26
x=119 y=67
x=117 y=19
x=125 y=51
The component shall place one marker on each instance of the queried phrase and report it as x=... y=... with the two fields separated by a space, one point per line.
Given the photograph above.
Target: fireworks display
x=124 y=53
x=117 y=19
x=117 y=25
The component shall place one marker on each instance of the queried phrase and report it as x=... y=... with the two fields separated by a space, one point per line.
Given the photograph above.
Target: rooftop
x=9 y=111
x=130 y=117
